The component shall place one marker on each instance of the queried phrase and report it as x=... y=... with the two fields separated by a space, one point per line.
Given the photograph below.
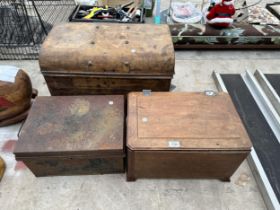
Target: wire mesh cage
x=24 y=24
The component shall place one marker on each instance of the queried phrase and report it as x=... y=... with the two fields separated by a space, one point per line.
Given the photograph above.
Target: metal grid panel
x=24 y=24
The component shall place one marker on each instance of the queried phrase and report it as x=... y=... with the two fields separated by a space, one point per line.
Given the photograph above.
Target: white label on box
x=174 y=144
x=8 y=73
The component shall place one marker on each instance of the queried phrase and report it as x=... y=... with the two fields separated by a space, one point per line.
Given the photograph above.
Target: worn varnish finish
x=82 y=58
x=66 y=135
x=15 y=98
x=84 y=85
x=184 y=135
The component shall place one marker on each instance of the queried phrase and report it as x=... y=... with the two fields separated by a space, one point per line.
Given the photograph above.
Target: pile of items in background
x=131 y=12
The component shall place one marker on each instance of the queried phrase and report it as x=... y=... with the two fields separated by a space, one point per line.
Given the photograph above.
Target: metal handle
x=20 y=128
x=146 y=92
x=34 y=93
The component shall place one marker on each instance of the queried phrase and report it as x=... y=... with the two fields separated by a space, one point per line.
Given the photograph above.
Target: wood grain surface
x=183 y=164
x=184 y=135
x=195 y=120
x=86 y=85
x=74 y=165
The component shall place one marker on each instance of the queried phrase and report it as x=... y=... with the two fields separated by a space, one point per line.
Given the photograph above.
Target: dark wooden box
x=184 y=135
x=85 y=59
x=69 y=135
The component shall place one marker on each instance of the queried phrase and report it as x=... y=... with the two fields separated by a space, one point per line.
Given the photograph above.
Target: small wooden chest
x=69 y=135
x=184 y=135
x=86 y=59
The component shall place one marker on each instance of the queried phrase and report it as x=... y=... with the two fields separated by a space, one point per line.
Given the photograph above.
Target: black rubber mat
x=264 y=141
x=274 y=80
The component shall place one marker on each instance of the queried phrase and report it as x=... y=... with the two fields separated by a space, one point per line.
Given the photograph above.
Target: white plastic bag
x=185 y=12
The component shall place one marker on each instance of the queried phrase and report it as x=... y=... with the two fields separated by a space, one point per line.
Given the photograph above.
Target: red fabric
x=4 y=103
x=9 y=146
x=221 y=11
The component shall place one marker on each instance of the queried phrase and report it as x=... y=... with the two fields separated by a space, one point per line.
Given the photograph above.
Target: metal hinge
x=147 y=92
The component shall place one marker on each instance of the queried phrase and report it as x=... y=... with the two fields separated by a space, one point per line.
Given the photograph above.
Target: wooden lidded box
x=86 y=59
x=184 y=135
x=69 y=135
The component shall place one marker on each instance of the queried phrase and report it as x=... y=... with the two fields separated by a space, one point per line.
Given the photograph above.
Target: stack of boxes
x=118 y=113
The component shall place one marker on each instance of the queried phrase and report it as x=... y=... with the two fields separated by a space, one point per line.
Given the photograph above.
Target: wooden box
x=69 y=135
x=184 y=135
x=85 y=59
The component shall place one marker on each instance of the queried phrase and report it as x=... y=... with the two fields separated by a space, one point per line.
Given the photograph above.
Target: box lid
x=76 y=125
x=113 y=49
x=184 y=121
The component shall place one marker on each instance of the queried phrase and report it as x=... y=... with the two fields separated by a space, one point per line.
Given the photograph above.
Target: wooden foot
x=130 y=167
x=226 y=179
x=130 y=179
